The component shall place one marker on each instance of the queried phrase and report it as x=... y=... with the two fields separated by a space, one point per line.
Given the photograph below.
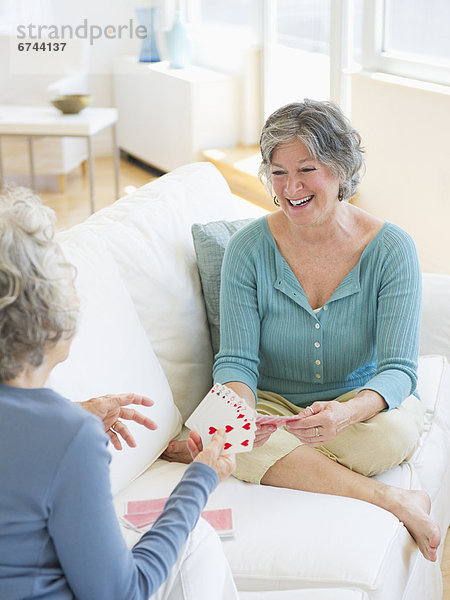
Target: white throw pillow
x=112 y=354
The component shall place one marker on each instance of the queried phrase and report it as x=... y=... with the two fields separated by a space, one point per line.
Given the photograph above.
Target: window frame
x=374 y=58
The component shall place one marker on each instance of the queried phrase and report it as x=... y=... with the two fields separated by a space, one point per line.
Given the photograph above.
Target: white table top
x=47 y=120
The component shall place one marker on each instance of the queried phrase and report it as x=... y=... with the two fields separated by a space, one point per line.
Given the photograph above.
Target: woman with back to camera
x=319 y=317
x=60 y=537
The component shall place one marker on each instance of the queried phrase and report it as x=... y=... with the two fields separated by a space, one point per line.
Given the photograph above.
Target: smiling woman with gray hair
x=320 y=315
x=319 y=320
x=60 y=537
x=325 y=132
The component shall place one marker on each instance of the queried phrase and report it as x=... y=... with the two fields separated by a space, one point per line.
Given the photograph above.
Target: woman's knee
x=398 y=431
x=382 y=442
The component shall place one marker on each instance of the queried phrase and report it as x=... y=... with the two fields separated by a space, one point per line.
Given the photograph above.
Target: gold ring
x=114 y=425
x=317 y=431
x=312 y=411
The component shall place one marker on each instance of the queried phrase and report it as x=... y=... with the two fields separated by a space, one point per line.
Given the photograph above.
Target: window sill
x=416 y=84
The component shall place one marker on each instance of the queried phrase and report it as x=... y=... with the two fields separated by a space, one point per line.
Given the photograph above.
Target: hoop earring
x=276 y=201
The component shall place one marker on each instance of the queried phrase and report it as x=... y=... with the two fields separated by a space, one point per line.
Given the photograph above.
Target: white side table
x=31 y=121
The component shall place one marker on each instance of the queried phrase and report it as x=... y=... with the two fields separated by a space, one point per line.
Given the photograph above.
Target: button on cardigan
x=365 y=336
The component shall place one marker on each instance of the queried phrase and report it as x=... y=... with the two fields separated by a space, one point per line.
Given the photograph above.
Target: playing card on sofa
x=144 y=506
x=141 y=514
x=221 y=519
x=222 y=408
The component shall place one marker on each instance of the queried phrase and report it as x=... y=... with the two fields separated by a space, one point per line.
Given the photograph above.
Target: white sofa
x=144 y=328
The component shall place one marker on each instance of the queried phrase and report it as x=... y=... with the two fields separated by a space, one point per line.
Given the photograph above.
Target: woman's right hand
x=223 y=464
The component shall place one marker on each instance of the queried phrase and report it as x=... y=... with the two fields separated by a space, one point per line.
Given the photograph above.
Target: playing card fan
x=222 y=408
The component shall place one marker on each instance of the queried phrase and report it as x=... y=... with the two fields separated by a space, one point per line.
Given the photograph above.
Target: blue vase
x=149 y=18
x=178 y=43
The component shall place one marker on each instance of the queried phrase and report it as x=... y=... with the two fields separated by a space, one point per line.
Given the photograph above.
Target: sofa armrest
x=435 y=328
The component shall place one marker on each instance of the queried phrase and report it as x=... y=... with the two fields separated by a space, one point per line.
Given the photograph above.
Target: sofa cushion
x=111 y=354
x=149 y=235
x=210 y=241
x=279 y=548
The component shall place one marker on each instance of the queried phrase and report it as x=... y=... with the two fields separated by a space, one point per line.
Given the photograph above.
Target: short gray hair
x=36 y=284
x=326 y=132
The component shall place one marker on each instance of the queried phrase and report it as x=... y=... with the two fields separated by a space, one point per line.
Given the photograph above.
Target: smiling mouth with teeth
x=301 y=202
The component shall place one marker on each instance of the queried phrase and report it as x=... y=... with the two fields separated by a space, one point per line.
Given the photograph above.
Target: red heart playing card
x=222 y=408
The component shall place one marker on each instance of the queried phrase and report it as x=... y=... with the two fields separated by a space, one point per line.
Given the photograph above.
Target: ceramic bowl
x=71 y=104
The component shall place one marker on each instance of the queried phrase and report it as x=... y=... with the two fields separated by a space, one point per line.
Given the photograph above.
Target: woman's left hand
x=320 y=423
x=113 y=407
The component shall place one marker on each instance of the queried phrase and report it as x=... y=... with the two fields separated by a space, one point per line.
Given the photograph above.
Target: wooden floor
x=445 y=567
x=73 y=206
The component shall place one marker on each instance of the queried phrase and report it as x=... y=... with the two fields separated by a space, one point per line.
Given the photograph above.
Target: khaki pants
x=369 y=448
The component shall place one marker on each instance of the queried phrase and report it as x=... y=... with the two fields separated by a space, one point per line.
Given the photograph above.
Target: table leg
x=31 y=154
x=91 y=174
x=2 y=175
x=116 y=161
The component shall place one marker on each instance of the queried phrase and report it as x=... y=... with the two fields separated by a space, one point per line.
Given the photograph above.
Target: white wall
x=405 y=128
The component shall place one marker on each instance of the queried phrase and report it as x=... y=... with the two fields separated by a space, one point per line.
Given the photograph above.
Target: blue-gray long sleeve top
x=366 y=336
x=59 y=534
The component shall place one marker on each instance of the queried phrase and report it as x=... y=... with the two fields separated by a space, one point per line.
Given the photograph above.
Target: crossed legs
x=308 y=470
x=342 y=467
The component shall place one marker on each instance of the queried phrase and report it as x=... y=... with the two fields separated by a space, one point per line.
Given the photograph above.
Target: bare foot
x=413 y=510
x=177 y=451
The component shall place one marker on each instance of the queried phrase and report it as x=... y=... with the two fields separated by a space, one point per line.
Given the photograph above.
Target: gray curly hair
x=36 y=284
x=326 y=132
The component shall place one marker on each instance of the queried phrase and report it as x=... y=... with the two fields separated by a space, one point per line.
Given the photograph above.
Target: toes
x=432 y=544
x=435 y=541
x=431 y=555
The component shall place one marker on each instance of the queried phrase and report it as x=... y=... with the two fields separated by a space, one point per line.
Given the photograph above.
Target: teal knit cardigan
x=366 y=336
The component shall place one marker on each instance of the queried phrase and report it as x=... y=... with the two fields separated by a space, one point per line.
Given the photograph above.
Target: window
x=408 y=38
x=304 y=24
x=296 y=51
x=227 y=25
x=416 y=29
x=238 y=13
